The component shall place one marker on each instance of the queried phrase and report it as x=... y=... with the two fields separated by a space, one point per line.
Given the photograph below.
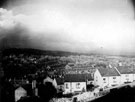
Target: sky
x=92 y=26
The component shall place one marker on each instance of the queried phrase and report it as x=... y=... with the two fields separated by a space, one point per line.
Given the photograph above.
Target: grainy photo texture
x=67 y=50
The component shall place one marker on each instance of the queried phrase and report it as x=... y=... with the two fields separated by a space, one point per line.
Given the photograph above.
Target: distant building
x=106 y=77
x=69 y=66
x=48 y=79
x=74 y=83
x=81 y=70
x=127 y=74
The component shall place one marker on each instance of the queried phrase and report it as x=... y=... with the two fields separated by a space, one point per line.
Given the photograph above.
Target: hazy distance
x=97 y=26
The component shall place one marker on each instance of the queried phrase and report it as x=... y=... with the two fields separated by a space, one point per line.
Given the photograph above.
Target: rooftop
x=126 y=69
x=76 y=77
x=60 y=81
x=108 y=71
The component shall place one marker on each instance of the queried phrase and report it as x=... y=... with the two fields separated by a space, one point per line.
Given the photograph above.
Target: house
x=69 y=66
x=59 y=84
x=81 y=70
x=106 y=77
x=20 y=92
x=127 y=74
x=48 y=79
x=74 y=83
x=23 y=91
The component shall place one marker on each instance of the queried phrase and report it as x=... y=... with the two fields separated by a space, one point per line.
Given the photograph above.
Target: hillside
x=29 y=51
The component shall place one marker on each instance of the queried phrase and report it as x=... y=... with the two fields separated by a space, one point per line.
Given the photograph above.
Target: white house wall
x=98 y=78
x=126 y=78
x=114 y=80
x=72 y=87
x=107 y=81
x=81 y=86
x=20 y=92
x=133 y=77
x=67 y=90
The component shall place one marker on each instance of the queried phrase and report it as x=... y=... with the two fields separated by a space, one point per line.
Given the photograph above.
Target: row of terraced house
x=77 y=80
x=113 y=76
x=103 y=77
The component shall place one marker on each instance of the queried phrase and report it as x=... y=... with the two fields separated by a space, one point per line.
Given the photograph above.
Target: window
x=126 y=75
x=78 y=85
x=104 y=79
x=114 y=77
x=67 y=86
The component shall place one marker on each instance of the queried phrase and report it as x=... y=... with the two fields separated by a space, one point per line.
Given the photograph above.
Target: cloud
x=27 y=31
x=73 y=25
x=12 y=32
x=6 y=18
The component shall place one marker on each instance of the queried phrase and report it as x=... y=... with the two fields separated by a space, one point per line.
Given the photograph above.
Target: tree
x=47 y=91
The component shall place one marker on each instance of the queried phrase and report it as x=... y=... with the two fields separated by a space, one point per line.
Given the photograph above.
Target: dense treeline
x=16 y=68
x=30 y=51
x=20 y=62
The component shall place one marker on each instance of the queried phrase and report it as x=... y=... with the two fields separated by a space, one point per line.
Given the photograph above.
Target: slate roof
x=89 y=77
x=126 y=69
x=26 y=87
x=80 y=70
x=60 y=81
x=108 y=71
x=20 y=89
x=76 y=77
